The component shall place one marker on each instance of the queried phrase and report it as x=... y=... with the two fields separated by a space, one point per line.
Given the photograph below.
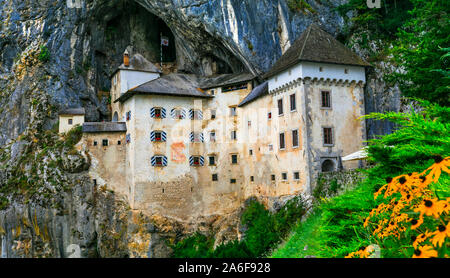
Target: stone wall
x=335 y=183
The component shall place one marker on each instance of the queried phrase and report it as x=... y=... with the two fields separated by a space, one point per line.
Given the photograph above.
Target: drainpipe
x=308 y=123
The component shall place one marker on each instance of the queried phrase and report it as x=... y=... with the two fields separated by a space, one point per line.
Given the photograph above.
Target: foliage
x=44 y=55
x=380 y=23
x=263 y=231
x=420 y=136
x=196 y=246
x=420 y=51
x=412 y=218
x=300 y=6
x=73 y=136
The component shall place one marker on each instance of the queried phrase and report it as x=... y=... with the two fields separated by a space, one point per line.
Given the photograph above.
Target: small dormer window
x=213 y=92
x=320 y=69
x=346 y=71
x=70 y=121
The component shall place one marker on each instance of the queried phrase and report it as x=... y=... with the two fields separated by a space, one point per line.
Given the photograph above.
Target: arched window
x=328 y=166
x=115 y=117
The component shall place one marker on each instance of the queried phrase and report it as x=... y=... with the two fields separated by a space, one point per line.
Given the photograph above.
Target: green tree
x=418 y=52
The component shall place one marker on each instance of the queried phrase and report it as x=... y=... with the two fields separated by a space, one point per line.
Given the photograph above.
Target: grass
x=305 y=234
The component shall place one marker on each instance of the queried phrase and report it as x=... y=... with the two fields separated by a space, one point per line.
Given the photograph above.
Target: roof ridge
x=306 y=39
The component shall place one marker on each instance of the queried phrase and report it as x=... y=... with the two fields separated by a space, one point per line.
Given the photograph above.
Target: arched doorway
x=328 y=166
x=115 y=117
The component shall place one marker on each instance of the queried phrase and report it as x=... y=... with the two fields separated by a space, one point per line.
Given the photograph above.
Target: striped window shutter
x=200 y=158
x=200 y=136
x=173 y=114
x=153 y=112
x=191 y=114
x=163 y=136
x=199 y=113
x=163 y=159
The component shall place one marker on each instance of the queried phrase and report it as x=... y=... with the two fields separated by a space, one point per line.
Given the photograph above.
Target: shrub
x=44 y=55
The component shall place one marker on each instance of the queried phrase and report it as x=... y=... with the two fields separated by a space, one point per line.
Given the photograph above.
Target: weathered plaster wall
x=64 y=125
x=108 y=167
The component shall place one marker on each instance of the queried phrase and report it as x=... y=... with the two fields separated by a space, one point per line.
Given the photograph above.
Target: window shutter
x=164 y=158
x=152 y=136
x=202 y=139
x=163 y=113
x=154 y=161
x=152 y=112
x=192 y=136
x=191 y=160
x=200 y=114
x=164 y=136
x=202 y=161
x=191 y=114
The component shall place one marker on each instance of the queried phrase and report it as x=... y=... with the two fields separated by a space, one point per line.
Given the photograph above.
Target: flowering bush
x=413 y=214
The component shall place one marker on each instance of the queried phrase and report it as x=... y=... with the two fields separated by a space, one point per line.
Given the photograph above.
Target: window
x=196 y=161
x=280 y=107
x=215 y=177
x=212 y=136
x=282 y=143
x=95 y=143
x=212 y=160
x=232 y=180
x=195 y=114
x=326 y=99
x=250 y=152
x=128 y=115
x=284 y=176
x=346 y=71
x=158 y=136
x=213 y=92
x=270 y=147
x=327 y=136
x=70 y=121
x=296 y=176
x=234 y=159
x=178 y=114
x=249 y=123
x=105 y=142
x=95 y=182
x=213 y=114
x=128 y=138
x=158 y=113
x=197 y=137
x=252 y=178
x=233 y=111
x=269 y=115
x=320 y=69
x=272 y=177
x=119 y=142
x=234 y=135
x=295 y=138
x=159 y=161
x=290 y=72
x=293 y=103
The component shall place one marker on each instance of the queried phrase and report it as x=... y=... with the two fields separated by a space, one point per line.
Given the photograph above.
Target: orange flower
x=421 y=238
x=416 y=223
x=430 y=207
x=441 y=234
x=441 y=164
x=425 y=252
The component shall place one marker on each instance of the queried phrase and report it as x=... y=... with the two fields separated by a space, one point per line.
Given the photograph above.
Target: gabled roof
x=257 y=92
x=139 y=63
x=186 y=85
x=92 y=127
x=73 y=111
x=316 y=45
x=226 y=80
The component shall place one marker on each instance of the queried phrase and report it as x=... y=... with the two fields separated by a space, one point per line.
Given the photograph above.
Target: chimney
x=126 y=58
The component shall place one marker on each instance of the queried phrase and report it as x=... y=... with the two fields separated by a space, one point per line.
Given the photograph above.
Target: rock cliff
x=60 y=53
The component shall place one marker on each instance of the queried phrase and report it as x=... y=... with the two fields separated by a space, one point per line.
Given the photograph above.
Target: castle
x=185 y=146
